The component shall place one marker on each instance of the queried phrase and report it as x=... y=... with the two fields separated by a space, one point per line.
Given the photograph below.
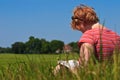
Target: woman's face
x=81 y=27
x=77 y=24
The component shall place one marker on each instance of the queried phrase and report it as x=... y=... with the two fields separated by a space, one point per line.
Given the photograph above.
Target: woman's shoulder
x=92 y=31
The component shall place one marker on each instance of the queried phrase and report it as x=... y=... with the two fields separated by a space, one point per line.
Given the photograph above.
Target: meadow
x=40 y=67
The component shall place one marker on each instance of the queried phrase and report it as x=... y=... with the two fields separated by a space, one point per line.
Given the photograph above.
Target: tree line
x=38 y=46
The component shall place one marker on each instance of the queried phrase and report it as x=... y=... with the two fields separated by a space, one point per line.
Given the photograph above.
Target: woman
x=97 y=40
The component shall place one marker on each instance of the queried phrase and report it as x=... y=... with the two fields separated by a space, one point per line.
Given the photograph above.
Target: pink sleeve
x=86 y=38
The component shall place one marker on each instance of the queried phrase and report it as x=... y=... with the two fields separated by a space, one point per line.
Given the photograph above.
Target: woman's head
x=83 y=15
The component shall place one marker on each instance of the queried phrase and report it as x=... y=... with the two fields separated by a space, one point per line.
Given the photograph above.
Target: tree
x=75 y=47
x=56 y=44
x=45 y=46
x=33 y=45
x=18 y=47
x=5 y=50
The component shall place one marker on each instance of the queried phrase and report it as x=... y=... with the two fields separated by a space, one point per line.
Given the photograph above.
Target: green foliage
x=18 y=47
x=33 y=45
x=56 y=44
x=75 y=47
x=5 y=50
x=40 y=67
x=36 y=45
x=45 y=46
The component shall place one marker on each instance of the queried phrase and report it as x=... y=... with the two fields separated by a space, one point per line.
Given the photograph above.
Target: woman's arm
x=86 y=50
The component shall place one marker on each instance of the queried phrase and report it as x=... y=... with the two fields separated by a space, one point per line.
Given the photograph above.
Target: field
x=40 y=67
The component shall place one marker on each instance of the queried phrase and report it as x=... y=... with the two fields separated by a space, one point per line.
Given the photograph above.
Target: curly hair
x=84 y=14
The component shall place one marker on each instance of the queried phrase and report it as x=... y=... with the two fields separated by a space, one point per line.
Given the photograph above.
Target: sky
x=50 y=19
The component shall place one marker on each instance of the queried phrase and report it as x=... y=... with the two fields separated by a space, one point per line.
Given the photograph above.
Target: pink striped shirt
x=104 y=41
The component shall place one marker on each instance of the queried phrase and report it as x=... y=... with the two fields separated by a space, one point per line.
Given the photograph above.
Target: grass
x=40 y=67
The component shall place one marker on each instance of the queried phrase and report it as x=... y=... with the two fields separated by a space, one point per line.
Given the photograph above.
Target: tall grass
x=40 y=67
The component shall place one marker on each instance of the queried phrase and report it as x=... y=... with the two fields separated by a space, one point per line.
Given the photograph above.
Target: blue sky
x=49 y=19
